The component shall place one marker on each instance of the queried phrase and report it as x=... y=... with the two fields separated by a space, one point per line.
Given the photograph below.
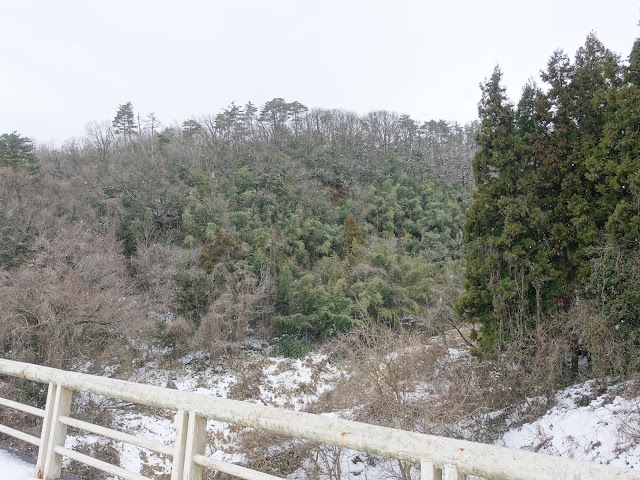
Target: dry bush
x=249 y=377
x=42 y=201
x=28 y=392
x=431 y=385
x=324 y=463
x=247 y=302
x=236 y=301
x=531 y=367
x=394 y=376
x=328 y=462
x=567 y=347
x=610 y=353
x=447 y=288
x=71 y=295
x=74 y=298
x=96 y=409
x=386 y=367
x=272 y=453
x=15 y=184
x=155 y=267
x=178 y=335
x=629 y=427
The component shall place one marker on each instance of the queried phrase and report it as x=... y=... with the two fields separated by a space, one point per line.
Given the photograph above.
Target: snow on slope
x=585 y=424
x=278 y=382
x=297 y=383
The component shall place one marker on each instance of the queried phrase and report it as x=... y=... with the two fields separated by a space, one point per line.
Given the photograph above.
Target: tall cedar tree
x=618 y=154
x=492 y=222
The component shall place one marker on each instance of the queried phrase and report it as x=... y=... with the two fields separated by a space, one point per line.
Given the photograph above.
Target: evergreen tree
x=551 y=176
x=557 y=180
x=619 y=155
x=567 y=178
x=274 y=116
x=595 y=79
x=124 y=122
x=491 y=224
x=190 y=128
x=351 y=234
x=17 y=151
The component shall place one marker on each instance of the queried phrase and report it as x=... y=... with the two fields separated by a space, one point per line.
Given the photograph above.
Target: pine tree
x=17 y=151
x=124 y=122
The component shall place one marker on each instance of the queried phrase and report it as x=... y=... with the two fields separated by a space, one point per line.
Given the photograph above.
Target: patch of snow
x=296 y=383
x=132 y=458
x=456 y=353
x=332 y=462
x=211 y=381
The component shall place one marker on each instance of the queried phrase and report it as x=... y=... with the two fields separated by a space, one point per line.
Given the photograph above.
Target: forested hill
x=279 y=222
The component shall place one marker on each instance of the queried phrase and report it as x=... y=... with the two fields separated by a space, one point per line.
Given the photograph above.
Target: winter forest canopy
x=295 y=225
x=280 y=222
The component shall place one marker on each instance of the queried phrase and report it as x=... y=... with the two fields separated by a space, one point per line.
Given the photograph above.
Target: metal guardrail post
x=428 y=471
x=196 y=434
x=46 y=429
x=182 y=425
x=57 y=434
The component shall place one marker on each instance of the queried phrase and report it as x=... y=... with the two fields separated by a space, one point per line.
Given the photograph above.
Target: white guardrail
x=438 y=457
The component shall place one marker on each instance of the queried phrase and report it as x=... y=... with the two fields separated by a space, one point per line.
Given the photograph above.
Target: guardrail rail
x=438 y=457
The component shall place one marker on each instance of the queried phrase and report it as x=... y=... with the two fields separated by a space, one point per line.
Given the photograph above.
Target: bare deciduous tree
x=101 y=139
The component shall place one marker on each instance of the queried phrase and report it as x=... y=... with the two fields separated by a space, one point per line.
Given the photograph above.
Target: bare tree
x=101 y=138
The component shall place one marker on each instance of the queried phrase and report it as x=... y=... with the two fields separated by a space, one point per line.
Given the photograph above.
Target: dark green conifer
x=17 y=151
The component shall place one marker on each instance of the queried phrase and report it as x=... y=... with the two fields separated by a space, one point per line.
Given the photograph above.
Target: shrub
x=293 y=347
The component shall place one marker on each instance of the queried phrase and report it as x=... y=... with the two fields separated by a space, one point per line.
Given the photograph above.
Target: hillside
x=477 y=281
x=294 y=225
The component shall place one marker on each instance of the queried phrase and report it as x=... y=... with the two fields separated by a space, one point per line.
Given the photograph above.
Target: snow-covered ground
x=586 y=424
x=15 y=468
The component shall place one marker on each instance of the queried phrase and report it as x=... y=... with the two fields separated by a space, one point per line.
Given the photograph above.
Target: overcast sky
x=66 y=63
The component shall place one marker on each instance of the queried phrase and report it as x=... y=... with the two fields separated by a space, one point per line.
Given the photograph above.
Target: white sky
x=65 y=63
